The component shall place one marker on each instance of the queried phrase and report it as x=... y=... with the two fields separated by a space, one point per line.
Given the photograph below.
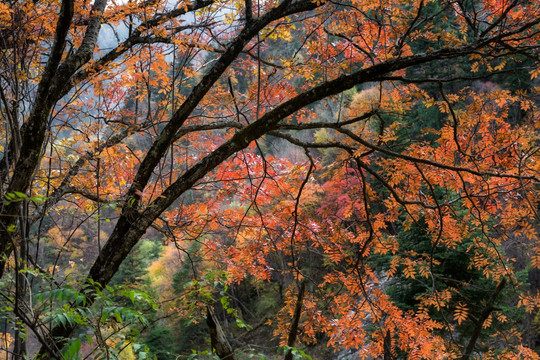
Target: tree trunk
x=296 y=320
x=220 y=344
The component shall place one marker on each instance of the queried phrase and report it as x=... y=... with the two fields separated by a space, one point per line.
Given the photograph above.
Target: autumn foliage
x=371 y=167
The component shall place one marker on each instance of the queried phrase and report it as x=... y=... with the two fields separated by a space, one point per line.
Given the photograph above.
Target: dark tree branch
x=249 y=11
x=293 y=332
x=64 y=186
x=133 y=222
x=500 y=18
x=165 y=138
x=136 y=38
x=483 y=317
x=33 y=136
x=432 y=163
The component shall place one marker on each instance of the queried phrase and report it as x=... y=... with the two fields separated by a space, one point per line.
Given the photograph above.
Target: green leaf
x=74 y=349
x=89 y=339
x=224 y=302
x=131 y=296
x=117 y=316
x=242 y=325
x=80 y=300
x=61 y=318
x=104 y=317
x=20 y=195
x=37 y=199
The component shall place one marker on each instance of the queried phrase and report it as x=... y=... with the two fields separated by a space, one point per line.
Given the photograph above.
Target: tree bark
x=219 y=341
x=293 y=332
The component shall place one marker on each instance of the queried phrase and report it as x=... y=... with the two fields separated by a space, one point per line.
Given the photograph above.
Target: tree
x=187 y=97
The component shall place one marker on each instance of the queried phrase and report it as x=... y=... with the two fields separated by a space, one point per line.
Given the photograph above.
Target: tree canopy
x=374 y=163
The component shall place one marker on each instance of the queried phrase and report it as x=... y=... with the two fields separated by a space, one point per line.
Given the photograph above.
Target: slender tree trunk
x=480 y=322
x=296 y=320
x=219 y=341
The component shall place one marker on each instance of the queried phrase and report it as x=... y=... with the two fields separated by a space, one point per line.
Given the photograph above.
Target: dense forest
x=279 y=179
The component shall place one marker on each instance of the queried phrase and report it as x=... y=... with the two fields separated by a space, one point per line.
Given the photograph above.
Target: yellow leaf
x=461 y=313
